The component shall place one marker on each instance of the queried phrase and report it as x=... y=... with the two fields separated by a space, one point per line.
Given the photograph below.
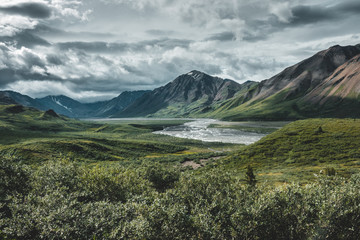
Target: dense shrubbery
x=61 y=200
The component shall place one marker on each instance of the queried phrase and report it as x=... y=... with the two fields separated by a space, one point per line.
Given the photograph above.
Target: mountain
x=287 y=95
x=5 y=99
x=65 y=106
x=187 y=95
x=69 y=107
x=11 y=97
x=339 y=94
x=117 y=104
x=304 y=76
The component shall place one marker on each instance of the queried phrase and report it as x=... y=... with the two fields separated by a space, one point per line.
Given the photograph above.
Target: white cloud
x=12 y=24
x=282 y=10
x=38 y=89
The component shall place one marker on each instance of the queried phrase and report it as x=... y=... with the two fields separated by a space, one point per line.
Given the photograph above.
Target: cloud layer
x=96 y=49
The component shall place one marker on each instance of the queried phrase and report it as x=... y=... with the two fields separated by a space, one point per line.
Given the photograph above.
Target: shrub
x=250 y=176
x=13 y=178
x=64 y=201
x=161 y=177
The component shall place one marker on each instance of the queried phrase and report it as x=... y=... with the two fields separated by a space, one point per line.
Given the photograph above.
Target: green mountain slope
x=303 y=148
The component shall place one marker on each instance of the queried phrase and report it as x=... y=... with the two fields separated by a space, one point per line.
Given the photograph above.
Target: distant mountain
x=69 y=107
x=187 y=95
x=292 y=94
x=65 y=106
x=11 y=97
x=5 y=99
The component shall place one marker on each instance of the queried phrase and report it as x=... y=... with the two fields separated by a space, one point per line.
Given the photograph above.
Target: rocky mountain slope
x=293 y=93
x=187 y=95
x=339 y=94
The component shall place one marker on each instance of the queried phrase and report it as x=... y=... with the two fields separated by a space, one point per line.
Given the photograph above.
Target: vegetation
x=299 y=150
x=32 y=139
x=63 y=200
x=65 y=179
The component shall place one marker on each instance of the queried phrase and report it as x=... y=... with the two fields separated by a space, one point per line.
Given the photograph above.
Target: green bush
x=161 y=177
x=61 y=200
x=14 y=179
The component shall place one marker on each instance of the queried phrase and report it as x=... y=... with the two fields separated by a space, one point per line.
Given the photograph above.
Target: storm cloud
x=33 y=10
x=97 y=49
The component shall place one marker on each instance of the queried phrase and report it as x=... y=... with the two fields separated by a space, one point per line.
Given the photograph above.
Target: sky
x=93 y=50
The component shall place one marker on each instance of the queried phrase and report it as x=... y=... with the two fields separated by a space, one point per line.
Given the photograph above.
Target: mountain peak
x=195 y=74
x=188 y=93
x=335 y=46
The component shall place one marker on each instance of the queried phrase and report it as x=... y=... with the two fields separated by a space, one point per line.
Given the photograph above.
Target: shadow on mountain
x=144 y=106
x=334 y=107
x=15 y=109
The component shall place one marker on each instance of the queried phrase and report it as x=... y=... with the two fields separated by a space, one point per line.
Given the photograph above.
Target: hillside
x=186 y=95
x=301 y=149
x=306 y=75
x=117 y=104
x=18 y=123
x=288 y=95
x=339 y=94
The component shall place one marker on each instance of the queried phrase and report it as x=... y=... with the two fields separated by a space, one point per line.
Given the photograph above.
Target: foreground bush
x=63 y=201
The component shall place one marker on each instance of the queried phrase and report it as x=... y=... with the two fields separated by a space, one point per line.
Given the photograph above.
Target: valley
x=121 y=174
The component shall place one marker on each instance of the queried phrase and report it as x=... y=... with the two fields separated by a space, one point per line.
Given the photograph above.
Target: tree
x=250 y=176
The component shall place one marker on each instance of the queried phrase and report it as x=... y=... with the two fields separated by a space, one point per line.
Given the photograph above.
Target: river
x=199 y=130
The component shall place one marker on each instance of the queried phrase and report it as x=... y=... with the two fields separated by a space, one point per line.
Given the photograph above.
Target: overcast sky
x=95 y=49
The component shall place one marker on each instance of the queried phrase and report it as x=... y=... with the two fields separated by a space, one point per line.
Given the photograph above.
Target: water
x=199 y=130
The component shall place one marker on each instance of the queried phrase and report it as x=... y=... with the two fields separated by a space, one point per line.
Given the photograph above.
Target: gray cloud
x=349 y=6
x=159 y=32
x=56 y=33
x=94 y=46
x=54 y=59
x=111 y=47
x=311 y=14
x=223 y=36
x=25 y=38
x=33 y=10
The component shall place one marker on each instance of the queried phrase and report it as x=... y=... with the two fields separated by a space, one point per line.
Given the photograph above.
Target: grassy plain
x=32 y=138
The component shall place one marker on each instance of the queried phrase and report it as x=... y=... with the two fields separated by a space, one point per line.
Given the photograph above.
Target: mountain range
x=325 y=85
x=71 y=108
